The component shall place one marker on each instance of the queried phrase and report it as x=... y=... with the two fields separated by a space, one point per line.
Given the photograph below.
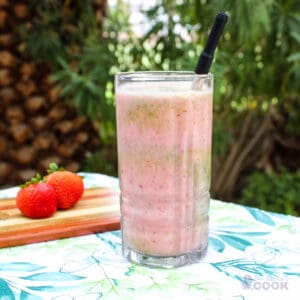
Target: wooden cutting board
x=97 y=211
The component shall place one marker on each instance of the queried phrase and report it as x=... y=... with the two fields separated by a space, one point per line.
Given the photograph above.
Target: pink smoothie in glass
x=164 y=149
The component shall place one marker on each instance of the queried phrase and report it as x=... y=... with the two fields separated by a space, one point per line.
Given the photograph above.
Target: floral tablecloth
x=252 y=254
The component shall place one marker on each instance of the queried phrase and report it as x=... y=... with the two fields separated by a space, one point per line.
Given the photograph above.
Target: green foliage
x=67 y=36
x=103 y=160
x=278 y=192
x=57 y=28
x=222 y=139
x=85 y=84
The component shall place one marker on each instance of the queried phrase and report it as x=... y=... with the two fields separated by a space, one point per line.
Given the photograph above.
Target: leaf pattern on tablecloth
x=29 y=286
x=6 y=291
x=19 y=267
x=28 y=296
x=217 y=244
x=52 y=277
x=261 y=216
x=237 y=237
x=241 y=267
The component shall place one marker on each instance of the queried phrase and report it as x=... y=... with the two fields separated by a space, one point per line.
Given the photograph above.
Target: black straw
x=206 y=57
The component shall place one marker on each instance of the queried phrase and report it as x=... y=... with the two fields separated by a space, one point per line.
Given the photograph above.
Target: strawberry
x=67 y=185
x=37 y=199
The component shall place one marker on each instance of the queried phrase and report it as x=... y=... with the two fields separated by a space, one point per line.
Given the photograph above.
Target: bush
x=277 y=192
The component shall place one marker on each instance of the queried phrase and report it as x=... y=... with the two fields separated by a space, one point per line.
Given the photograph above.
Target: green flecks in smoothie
x=197 y=166
x=201 y=168
x=201 y=171
x=147 y=114
x=196 y=173
x=154 y=115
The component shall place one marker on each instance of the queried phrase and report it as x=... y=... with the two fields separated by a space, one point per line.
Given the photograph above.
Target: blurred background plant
x=283 y=186
x=257 y=73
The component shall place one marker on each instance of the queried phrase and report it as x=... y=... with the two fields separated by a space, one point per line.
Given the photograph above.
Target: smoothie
x=164 y=149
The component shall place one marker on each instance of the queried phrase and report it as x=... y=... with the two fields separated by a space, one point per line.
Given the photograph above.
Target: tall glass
x=164 y=133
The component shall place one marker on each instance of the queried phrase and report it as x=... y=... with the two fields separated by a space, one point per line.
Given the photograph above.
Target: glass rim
x=161 y=75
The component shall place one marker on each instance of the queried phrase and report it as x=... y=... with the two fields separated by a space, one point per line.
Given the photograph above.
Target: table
x=252 y=254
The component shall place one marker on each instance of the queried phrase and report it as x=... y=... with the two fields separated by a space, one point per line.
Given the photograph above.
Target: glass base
x=166 y=262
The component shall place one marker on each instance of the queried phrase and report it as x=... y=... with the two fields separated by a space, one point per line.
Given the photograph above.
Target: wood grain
x=97 y=211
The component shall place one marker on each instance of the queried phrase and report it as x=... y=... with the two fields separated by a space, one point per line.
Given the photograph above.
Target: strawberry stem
x=53 y=167
x=38 y=178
